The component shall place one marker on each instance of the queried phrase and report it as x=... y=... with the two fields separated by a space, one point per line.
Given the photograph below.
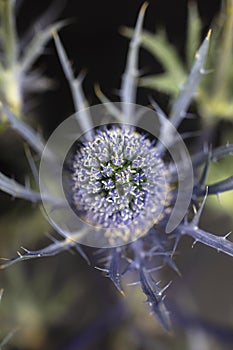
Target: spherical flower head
x=119 y=181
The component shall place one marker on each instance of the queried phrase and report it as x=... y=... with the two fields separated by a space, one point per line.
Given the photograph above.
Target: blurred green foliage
x=17 y=75
x=214 y=96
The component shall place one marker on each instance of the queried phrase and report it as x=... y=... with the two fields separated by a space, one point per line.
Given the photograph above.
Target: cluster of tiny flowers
x=119 y=181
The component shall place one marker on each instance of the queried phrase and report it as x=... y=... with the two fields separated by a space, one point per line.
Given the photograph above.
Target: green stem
x=9 y=32
x=225 y=52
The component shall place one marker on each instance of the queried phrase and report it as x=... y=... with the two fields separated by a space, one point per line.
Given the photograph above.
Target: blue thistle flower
x=119 y=181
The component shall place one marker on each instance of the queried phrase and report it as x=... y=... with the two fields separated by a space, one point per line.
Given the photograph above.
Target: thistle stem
x=225 y=53
x=9 y=31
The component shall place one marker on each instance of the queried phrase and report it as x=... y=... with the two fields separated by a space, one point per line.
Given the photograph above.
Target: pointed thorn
x=194 y=209
x=25 y=250
x=55 y=35
x=209 y=34
x=165 y=288
x=196 y=219
x=206 y=71
x=177 y=240
x=133 y=284
x=155 y=268
x=101 y=269
x=97 y=89
x=144 y=7
x=122 y=292
x=81 y=76
x=194 y=243
x=227 y=235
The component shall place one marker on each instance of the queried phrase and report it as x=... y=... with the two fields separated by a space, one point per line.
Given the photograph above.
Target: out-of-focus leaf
x=166 y=54
x=160 y=82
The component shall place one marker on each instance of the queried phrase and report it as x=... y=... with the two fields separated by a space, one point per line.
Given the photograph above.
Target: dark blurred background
x=93 y=43
x=61 y=303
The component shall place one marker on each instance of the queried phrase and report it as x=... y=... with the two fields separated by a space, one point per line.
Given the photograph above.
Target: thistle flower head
x=119 y=181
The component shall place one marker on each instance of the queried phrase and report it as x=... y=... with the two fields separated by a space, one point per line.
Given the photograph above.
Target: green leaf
x=161 y=82
x=164 y=52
